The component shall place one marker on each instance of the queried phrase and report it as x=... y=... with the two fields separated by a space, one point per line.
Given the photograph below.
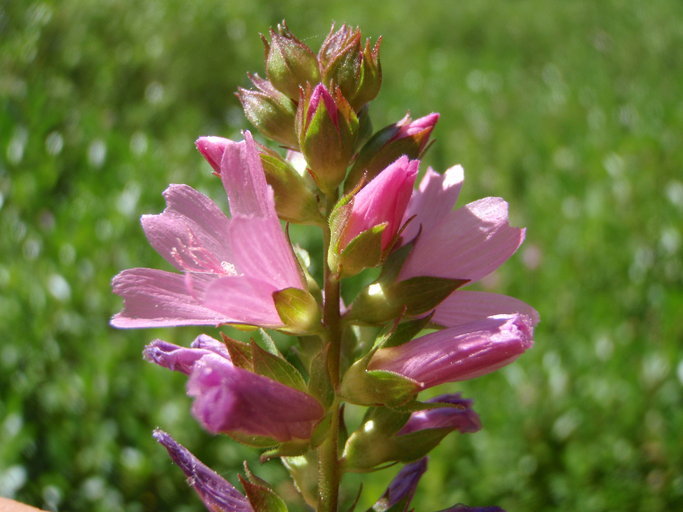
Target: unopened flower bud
x=406 y=137
x=295 y=200
x=355 y=68
x=327 y=128
x=290 y=64
x=270 y=111
x=376 y=211
x=387 y=435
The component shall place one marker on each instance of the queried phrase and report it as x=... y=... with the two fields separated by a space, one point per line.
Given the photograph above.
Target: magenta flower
x=382 y=200
x=231 y=266
x=461 y=418
x=217 y=493
x=458 y=353
x=229 y=399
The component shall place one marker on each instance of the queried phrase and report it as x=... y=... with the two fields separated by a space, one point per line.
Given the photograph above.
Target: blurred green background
x=572 y=111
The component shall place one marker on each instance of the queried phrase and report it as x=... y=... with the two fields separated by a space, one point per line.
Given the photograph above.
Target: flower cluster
x=412 y=328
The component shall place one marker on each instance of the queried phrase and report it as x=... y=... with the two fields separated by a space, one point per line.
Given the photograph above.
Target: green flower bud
x=270 y=111
x=290 y=64
x=327 y=128
x=354 y=68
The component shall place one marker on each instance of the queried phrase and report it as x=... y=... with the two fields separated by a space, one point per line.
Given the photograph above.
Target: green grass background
x=572 y=111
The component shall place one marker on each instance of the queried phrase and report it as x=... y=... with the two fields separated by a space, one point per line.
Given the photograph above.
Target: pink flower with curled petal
x=458 y=353
x=231 y=265
x=233 y=400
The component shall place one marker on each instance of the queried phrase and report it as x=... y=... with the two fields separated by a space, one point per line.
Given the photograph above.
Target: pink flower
x=216 y=492
x=467 y=243
x=402 y=488
x=458 y=353
x=231 y=266
x=229 y=399
x=382 y=200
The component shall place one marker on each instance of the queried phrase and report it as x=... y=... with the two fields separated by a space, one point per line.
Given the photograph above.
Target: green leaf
x=424 y=293
x=276 y=368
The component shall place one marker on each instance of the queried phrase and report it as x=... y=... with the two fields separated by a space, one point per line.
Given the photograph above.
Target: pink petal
x=458 y=353
x=244 y=180
x=212 y=148
x=469 y=243
x=261 y=250
x=432 y=201
x=243 y=300
x=191 y=233
x=155 y=298
x=465 y=306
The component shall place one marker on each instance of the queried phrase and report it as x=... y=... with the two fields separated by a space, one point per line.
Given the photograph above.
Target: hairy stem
x=329 y=474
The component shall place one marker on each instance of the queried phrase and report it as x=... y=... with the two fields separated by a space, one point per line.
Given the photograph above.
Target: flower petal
x=402 y=487
x=243 y=300
x=470 y=243
x=216 y=492
x=191 y=233
x=244 y=180
x=156 y=298
x=261 y=250
x=432 y=201
x=461 y=418
x=458 y=353
x=182 y=359
x=465 y=306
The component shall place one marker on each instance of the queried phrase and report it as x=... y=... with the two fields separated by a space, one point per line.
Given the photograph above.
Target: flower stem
x=329 y=474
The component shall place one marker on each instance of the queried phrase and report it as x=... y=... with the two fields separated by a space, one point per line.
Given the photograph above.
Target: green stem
x=329 y=473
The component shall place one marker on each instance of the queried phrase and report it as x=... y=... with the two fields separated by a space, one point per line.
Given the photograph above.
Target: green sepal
x=298 y=310
x=261 y=497
x=382 y=301
x=413 y=446
x=376 y=387
x=321 y=430
x=240 y=353
x=402 y=333
x=267 y=343
x=304 y=472
x=363 y=251
x=253 y=441
x=276 y=368
x=288 y=449
x=295 y=201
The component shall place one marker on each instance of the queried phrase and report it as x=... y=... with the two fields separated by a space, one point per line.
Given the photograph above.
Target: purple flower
x=229 y=399
x=382 y=200
x=217 y=493
x=231 y=266
x=402 y=487
x=458 y=353
x=461 y=418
